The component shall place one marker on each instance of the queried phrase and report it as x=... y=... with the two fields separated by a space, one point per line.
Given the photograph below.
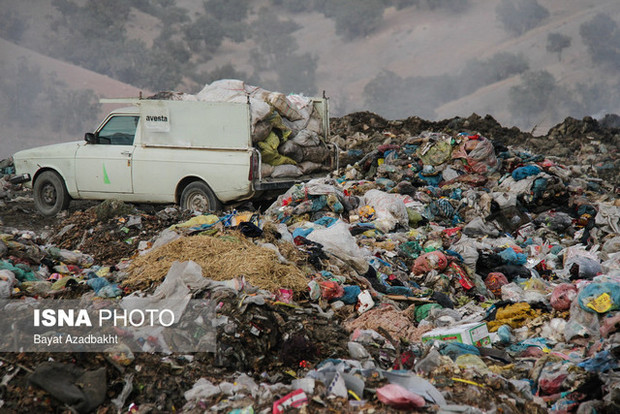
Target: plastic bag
x=608 y=217
x=331 y=290
x=512 y=293
x=417 y=385
x=398 y=397
x=600 y=297
x=7 y=281
x=390 y=209
x=509 y=256
x=436 y=151
x=562 y=296
x=173 y=293
x=524 y=172
x=554 y=330
x=338 y=241
x=494 y=282
x=436 y=260
x=478 y=227
x=286 y=171
x=357 y=350
x=612 y=245
x=431 y=361
x=291 y=150
x=551 y=379
x=306 y=138
x=581 y=323
x=269 y=151
x=478 y=153
x=581 y=267
x=601 y=362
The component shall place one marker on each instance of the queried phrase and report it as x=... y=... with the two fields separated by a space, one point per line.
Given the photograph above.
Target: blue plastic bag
x=599 y=297
x=350 y=295
x=509 y=256
x=524 y=172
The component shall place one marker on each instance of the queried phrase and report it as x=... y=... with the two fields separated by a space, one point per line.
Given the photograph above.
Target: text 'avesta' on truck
x=195 y=154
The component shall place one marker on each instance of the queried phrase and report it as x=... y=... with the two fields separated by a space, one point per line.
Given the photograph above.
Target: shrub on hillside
x=557 y=42
x=532 y=96
x=519 y=16
x=602 y=39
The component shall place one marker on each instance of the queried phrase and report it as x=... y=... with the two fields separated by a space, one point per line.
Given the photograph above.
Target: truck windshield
x=119 y=130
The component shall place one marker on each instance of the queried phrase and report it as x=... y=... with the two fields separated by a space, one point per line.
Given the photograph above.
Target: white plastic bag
x=286 y=170
x=7 y=281
x=390 y=209
x=337 y=240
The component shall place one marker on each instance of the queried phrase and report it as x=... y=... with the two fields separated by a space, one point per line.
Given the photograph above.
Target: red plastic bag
x=331 y=290
x=295 y=399
x=430 y=261
x=494 y=282
x=462 y=276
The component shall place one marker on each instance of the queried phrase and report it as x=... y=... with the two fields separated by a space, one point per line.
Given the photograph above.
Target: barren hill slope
x=420 y=42
x=16 y=137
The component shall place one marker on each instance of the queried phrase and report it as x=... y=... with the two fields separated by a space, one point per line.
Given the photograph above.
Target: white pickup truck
x=196 y=154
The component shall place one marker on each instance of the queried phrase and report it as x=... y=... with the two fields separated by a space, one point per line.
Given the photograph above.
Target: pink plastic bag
x=398 y=397
x=563 y=296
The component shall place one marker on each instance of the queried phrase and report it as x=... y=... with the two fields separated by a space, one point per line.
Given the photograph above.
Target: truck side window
x=119 y=130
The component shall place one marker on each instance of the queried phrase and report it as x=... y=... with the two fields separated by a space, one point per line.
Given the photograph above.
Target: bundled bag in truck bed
x=286 y=130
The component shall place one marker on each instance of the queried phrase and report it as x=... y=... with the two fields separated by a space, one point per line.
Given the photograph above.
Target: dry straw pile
x=221 y=258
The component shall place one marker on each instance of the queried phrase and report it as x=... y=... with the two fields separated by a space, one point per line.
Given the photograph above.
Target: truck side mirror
x=90 y=138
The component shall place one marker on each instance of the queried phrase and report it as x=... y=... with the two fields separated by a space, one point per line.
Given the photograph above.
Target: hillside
x=15 y=137
x=412 y=43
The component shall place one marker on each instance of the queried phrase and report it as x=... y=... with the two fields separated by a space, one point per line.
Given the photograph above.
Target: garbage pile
x=592 y=145
x=441 y=270
x=288 y=130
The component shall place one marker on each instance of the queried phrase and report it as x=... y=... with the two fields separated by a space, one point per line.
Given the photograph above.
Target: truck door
x=106 y=166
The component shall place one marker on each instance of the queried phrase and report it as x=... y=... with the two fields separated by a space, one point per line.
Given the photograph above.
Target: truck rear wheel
x=50 y=194
x=197 y=196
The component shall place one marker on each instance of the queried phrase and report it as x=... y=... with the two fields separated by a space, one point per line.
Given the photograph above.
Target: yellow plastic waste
x=601 y=304
x=103 y=272
x=269 y=151
x=435 y=153
x=515 y=315
x=472 y=361
x=241 y=217
x=199 y=221
x=366 y=212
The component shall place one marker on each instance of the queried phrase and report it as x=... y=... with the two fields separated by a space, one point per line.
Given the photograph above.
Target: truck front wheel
x=197 y=196
x=50 y=194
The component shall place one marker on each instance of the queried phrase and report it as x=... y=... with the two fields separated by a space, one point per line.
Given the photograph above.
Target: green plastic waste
x=22 y=272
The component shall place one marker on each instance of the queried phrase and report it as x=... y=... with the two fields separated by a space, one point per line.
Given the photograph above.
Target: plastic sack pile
x=437 y=272
x=288 y=130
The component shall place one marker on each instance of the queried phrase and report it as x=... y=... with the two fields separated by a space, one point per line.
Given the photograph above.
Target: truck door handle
x=127 y=153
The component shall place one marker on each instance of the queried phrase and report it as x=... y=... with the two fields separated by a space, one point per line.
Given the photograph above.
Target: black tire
x=197 y=196
x=50 y=194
